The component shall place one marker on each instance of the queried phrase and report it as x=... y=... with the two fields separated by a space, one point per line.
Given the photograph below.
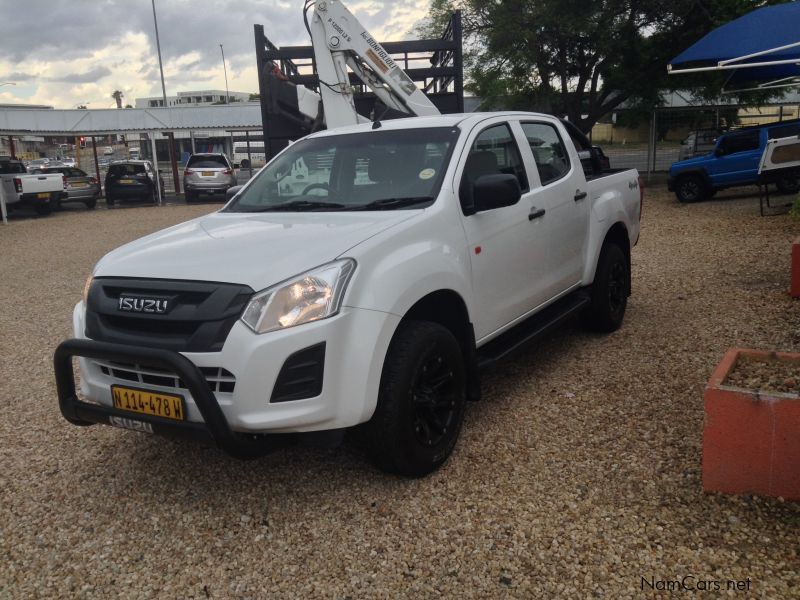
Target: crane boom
x=341 y=41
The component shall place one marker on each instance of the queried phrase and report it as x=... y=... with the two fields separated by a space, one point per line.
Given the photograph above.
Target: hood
x=257 y=250
x=695 y=160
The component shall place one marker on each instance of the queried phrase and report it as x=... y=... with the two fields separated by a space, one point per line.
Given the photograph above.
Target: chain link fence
x=652 y=142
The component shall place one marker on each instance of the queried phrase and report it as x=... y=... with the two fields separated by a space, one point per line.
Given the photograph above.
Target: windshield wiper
x=299 y=204
x=391 y=203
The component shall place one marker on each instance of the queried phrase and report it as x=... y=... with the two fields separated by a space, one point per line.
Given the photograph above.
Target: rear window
x=783 y=131
x=7 y=168
x=120 y=170
x=207 y=162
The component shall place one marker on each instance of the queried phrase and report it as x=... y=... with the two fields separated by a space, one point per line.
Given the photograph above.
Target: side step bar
x=533 y=328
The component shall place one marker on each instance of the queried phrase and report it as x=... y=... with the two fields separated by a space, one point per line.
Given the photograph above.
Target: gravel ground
x=578 y=475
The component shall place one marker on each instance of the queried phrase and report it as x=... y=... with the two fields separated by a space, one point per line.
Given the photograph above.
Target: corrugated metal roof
x=238 y=115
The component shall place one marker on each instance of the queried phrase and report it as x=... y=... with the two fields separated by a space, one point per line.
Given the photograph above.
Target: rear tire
x=609 y=292
x=787 y=185
x=190 y=197
x=421 y=401
x=43 y=208
x=690 y=188
x=90 y=204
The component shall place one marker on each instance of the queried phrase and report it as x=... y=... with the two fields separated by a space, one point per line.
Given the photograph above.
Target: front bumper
x=214 y=429
x=357 y=341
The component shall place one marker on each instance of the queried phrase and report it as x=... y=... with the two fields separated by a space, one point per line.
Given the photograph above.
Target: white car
x=421 y=250
x=108 y=151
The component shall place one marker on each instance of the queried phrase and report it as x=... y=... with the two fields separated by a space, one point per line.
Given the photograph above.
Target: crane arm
x=341 y=41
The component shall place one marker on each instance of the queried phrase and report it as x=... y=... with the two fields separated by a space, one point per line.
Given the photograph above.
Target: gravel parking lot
x=578 y=474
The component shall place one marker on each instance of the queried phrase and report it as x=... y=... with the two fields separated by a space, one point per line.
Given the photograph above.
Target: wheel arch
x=695 y=171
x=616 y=234
x=448 y=308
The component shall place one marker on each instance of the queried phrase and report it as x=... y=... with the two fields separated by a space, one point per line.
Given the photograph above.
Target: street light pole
x=160 y=64
x=225 y=69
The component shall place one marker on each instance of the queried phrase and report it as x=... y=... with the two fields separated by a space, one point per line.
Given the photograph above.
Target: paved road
x=623 y=158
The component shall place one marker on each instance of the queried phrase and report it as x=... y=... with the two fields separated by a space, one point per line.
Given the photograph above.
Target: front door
x=507 y=245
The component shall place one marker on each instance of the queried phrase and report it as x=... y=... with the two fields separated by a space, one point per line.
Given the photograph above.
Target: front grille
x=199 y=317
x=219 y=380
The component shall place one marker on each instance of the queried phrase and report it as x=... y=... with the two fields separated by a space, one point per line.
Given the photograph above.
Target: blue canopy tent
x=763 y=45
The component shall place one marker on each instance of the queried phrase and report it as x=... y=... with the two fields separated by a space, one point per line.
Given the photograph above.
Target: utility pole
x=225 y=69
x=160 y=64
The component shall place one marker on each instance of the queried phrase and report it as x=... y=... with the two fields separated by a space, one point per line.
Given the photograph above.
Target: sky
x=63 y=53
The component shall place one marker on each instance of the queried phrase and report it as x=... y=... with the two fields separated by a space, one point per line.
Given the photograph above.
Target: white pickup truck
x=417 y=252
x=42 y=192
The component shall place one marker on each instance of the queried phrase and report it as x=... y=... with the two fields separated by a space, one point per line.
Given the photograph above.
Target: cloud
x=68 y=52
x=17 y=76
x=87 y=77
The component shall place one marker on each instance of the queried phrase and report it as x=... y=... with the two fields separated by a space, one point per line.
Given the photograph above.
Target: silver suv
x=207 y=174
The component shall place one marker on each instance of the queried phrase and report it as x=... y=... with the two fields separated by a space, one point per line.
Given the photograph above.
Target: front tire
x=609 y=292
x=690 y=188
x=421 y=401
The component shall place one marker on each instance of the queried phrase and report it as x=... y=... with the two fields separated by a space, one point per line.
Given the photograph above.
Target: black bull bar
x=214 y=430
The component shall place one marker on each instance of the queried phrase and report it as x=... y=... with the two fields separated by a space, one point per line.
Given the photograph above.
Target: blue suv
x=734 y=162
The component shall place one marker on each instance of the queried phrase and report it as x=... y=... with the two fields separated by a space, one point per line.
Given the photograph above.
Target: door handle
x=535 y=214
x=579 y=195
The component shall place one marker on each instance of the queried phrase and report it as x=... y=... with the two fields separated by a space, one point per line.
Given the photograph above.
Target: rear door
x=563 y=193
x=507 y=245
x=738 y=158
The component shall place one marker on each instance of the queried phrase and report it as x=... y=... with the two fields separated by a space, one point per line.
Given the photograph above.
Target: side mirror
x=495 y=191
x=232 y=191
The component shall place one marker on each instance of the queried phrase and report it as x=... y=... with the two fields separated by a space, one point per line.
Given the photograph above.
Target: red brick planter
x=751 y=439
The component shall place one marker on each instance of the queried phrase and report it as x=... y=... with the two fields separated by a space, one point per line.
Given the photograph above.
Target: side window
x=740 y=142
x=552 y=160
x=494 y=152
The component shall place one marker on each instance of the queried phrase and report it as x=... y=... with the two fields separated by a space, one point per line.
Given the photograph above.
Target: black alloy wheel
x=434 y=394
x=690 y=188
x=421 y=401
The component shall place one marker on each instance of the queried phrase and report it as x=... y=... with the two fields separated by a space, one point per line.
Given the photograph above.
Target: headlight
x=311 y=296
x=86 y=287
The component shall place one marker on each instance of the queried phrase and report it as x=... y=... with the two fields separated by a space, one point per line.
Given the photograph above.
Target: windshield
x=375 y=170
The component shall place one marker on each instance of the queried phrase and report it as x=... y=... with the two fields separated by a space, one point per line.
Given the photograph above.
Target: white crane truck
x=360 y=281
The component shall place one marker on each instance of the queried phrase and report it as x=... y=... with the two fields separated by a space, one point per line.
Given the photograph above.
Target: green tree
x=581 y=58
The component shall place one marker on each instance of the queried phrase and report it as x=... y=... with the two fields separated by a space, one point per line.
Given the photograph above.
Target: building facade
x=192 y=98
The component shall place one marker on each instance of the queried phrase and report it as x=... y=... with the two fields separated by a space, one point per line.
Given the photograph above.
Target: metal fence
x=652 y=142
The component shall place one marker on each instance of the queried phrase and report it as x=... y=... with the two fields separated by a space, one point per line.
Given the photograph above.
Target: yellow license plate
x=157 y=404
x=80 y=185
x=43 y=196
x=126 y=180
x=208 y=173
